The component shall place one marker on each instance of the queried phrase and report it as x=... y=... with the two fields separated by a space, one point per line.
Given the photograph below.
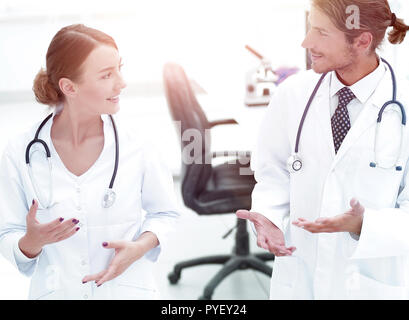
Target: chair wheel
x=173 y=277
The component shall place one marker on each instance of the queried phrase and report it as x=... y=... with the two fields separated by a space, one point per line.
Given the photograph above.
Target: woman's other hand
x=40 y=234
x=126 y=253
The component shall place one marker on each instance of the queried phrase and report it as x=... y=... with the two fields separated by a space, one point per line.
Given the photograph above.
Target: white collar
x=362 y=89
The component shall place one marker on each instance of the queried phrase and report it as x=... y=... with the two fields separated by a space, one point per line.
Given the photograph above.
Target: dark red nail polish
x=33 y=202
x=61 y=219
x=77 y=229
x=84 y=282
x=105 y=244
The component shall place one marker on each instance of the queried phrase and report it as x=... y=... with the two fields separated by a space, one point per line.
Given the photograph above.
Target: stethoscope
x=109 y=197
x=294 y=162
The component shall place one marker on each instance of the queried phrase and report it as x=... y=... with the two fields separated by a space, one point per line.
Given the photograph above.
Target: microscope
x=262 y=82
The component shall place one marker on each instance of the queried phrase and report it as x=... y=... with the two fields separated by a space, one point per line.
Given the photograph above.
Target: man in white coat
x=339 y=226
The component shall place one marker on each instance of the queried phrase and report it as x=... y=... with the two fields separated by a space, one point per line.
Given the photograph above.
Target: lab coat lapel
x=367 y=118
x=321 y=106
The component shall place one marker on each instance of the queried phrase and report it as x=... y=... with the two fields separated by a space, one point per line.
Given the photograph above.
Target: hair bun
x=44 y=91
x=398 y=33
x=393 y=20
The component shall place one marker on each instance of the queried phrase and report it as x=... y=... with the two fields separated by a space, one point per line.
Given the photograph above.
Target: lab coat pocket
x=43 y=216
x=283 y=281
x=137 y=281
x=388 y=140
x=361 y=287
x=48 y=294
x=134 y=292
x=56 y=211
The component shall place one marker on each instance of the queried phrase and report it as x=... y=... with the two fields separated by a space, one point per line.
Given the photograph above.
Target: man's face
x=327 y=45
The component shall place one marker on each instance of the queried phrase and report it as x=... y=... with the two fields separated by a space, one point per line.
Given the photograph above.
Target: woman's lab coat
x=334 y=265
x=145 y=201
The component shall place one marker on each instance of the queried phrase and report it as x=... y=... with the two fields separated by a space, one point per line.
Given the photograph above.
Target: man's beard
x=349 y=58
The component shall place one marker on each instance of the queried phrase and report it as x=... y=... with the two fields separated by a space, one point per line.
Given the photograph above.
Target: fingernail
x=77 y=229
x=33 y=202
x=84 y=282
x=61 y=219
x=105 y=244
x=75 y=221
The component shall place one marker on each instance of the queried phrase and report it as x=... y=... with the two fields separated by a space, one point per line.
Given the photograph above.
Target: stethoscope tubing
x=48 y=153
x=111 y=183
x=379 y=119
x=307 y=107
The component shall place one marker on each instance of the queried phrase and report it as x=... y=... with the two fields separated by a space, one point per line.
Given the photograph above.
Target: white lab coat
x=145 y=202
x=334 y=265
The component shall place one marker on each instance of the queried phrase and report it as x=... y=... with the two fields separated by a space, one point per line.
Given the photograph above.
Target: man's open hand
x=269 y=237
x=350 y=221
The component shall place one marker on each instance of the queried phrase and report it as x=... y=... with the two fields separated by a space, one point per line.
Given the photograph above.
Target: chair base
x=240 y=259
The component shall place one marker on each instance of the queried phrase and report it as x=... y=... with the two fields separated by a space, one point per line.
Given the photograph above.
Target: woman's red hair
x=66 y=53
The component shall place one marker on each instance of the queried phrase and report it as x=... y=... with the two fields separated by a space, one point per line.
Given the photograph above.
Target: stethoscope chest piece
x=294 y=163
x=109 y=198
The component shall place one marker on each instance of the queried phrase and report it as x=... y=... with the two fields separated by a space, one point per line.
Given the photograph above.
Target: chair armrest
x=225 y=154
x=222 y=122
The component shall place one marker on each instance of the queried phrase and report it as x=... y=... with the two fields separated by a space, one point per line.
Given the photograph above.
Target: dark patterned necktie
x=340 y=120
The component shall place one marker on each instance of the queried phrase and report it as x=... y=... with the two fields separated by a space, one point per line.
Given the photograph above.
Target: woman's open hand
x=40 y=234
x=126 y=253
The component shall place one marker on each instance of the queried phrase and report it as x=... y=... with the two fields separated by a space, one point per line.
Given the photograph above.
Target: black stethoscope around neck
x=109 y=196
x=294 y=162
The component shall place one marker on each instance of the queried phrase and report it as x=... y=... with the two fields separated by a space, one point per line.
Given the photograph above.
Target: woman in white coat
x=338 y=227
x=61 y=231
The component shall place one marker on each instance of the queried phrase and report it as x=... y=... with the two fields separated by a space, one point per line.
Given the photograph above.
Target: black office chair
x=208 y=189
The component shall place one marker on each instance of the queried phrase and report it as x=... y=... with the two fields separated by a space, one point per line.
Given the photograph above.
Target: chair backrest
x=195 y=139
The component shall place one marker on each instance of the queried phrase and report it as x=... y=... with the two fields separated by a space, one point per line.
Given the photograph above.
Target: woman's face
x=101 y=82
